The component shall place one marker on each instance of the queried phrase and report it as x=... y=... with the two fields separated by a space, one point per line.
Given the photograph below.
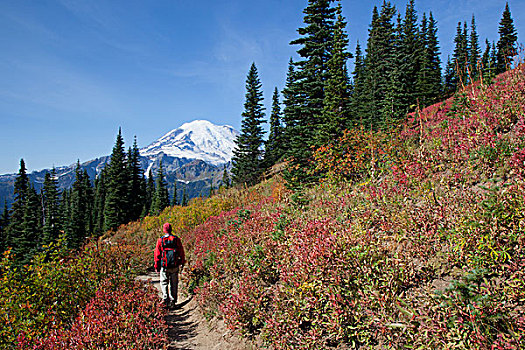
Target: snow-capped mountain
x=199 y=139
x=193 y=155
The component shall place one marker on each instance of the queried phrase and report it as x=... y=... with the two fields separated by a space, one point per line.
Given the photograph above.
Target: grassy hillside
x=414 y=239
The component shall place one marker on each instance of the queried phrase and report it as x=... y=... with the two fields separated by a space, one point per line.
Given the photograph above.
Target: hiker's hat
x=166 y=227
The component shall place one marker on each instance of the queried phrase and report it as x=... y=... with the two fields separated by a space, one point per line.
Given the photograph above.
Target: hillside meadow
x=413 y=238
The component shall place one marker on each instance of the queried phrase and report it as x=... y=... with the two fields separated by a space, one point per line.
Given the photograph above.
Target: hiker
x=169 y=261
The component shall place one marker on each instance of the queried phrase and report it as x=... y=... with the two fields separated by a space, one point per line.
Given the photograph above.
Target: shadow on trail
x=180 y=329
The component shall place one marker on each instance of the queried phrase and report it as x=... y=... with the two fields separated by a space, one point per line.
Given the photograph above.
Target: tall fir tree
x=161 y=198
x=225 y=178
x=506 y=47
x=488 y=62
x=429 y=77
x=4 y=222
x=290 y=101
x=136 y=189
x=115 y=208
x=51 y=203
x=410 y=45
x=29 y=242
x=335 y=117
x=274 y=151
x=449 y=78
x=357 y=104
x=307 y=87
x=184 y=200
x=379 y=61
x=247 y=155
x=150 y=192
x=174 y=199
x=460 y=58
x=99 y=203
x=15 y=231
x=80 y=222
x=474 y=55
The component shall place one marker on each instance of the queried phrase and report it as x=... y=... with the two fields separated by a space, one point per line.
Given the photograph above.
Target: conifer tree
x=4 y=222
x=274 y=146
x=394 y=104
x=410 y=46
x=506 y=47
x=460 y=57
x=184 y=200
x=225 y=178
x=136 y=195
x=429 y=78
x=357 y=99
x=474 y=55
x=150 y=192
x=174 y=201
x=161 y=198
x=99 y=203
x=291 y=104
x=15 y=230
x=51 y=204
x=449 y=78
x=378 y=64
x=81 y=200
x=335 y=117
x=489 y=61
x=115 y=208
x=247 y=162
x=26 y=245
x=307 y=86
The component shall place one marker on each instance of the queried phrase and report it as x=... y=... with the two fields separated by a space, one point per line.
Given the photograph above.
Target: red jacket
x=179 y=248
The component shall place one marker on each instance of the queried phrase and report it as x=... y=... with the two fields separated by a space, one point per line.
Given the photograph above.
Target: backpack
x=170 y=255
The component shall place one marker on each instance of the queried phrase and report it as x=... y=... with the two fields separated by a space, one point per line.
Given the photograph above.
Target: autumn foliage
x=414 y=238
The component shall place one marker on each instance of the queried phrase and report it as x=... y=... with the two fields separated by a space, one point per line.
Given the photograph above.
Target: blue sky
x=74 y=71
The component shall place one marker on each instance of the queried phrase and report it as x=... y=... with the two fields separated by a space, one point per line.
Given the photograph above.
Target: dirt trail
x=189 y=330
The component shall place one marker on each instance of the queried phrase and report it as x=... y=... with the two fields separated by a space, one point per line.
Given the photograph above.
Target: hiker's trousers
x=169 y=283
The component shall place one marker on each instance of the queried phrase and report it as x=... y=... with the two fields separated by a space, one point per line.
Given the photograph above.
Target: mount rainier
x=193 y=157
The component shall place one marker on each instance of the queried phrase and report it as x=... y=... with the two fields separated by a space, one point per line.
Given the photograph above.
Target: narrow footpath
x=189 y=330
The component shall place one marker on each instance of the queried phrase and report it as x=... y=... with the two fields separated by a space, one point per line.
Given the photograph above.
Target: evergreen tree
x=307 y=86
x=115 y=209
x=4 y=222
x=506 y=47
x=15 y=230
x=410 y=45
x=378 y=64
x=99 y=203
x=136 y=195
x=489 y=61
x=150 y=192
x=161 y=198
x=184 y=200
x=225 y=178
x=27 y=244
x=274 y=146
x=335 y=117
x=449 y=78
x=460 y=57
x=247 y=163
x=429 y=78
x=357 y=109
x=174 y=199
x=474 y=51
x=51 y=204
x=81 y=200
